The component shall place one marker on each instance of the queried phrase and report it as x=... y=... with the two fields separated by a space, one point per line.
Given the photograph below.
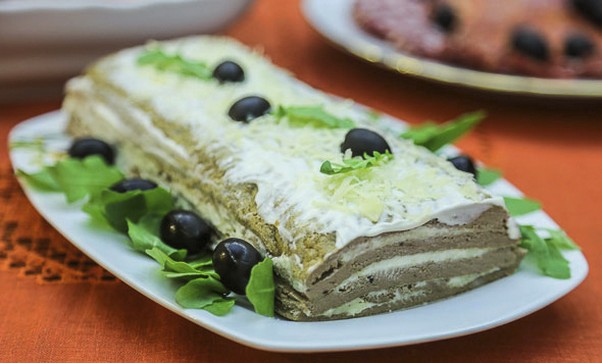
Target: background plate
x=333 y=19
x=44 y=42
x=489 y=306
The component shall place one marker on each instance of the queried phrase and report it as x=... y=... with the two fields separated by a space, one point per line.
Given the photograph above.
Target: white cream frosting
x=284 y=161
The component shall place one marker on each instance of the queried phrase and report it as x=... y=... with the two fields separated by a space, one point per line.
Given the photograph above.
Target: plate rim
x=208 y=322
x=376 y=51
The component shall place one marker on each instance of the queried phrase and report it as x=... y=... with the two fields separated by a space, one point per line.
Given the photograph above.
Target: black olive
x=128 y=185
x=185 y=229
x=531 y=43
x=578 y=46
x=249 y=108
x=364 y=141
x=445 y=17
x=229 y=71
x=590 y=9
x=233 y=260
x=87 y=146
x=464 y=163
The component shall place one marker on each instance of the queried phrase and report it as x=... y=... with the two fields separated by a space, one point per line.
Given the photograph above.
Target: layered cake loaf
x=543 y=38
x=262 y=157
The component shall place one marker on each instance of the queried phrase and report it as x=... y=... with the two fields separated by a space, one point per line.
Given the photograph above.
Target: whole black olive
x=127 y=185
x=83 y=147
x=464 y=163
x=531 y=43
x=229 y=71
x=248 y=108
x=578 y=46
x=233 y=260
x=590 y=9
x=445 y=17
x=364 y=141
x=185 y=229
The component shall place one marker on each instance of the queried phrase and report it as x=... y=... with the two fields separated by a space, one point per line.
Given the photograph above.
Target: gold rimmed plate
x=333 y=19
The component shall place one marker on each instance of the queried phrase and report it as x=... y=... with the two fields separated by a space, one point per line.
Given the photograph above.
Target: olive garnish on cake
x=356 y=220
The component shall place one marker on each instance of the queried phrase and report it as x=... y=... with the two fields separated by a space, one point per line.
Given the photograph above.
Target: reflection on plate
x=333 y=19
x=489 y=306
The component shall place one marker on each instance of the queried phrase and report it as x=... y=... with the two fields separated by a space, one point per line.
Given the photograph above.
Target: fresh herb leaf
x=41 y=180
x=202 y=262
x=174 y=63
x=487 y=176
x=434 y=137
x=260 y=289
x=521 y=206
x=174 y=267
x=560 y=239
x=116 y=208
x=314 y=116
x=356 y=163
x=75 y=178
x=220 y=307
x=546 y=255
x=142 y=240
x=201 y=293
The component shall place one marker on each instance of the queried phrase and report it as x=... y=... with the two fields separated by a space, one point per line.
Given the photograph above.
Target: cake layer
x=261 y=181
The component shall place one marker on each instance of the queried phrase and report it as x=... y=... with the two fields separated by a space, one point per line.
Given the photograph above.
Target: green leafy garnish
x=142 y=239
x=205 y=293
x=355 y=163
x=174 y=63
x=521 y=206
x=260 y=289
x=75 y=178
x=545 y=253
x=41 y=180
x=175 y=268
x=116 y=208
x=487 y=176
x=138 y=213
x=203 y=290
x=434 y=136
x=559 y=239
x=314 y=116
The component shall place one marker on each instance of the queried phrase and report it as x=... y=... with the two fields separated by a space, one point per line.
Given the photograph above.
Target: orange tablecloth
x=56 y=305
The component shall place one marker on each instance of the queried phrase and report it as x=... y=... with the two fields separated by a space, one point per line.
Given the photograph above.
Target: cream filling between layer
x=395 y=264
x=357 y=305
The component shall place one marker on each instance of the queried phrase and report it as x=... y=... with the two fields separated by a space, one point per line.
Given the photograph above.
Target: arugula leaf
x=315 y=116
x=142 y=240
x=486 y=176
x=356 y=163
x=546 y=255
x=560 y=239
x=174 y=63
x=201 y=293
x=260 y=289
x=79 y=178
x=41 y=180
x=220 y=307
x=175 y=268
x=521 y=206
x=434 y=136
x=116 y=208
x=76 y=178
x=138 y=213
